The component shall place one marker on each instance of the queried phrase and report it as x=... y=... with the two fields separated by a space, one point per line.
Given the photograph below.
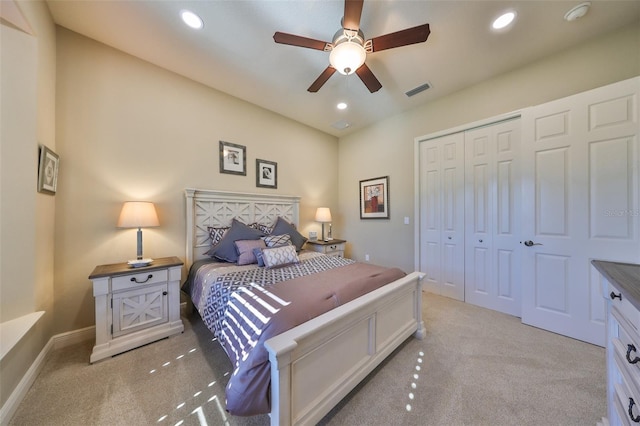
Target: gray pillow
x=284 y=227
x=226 y=248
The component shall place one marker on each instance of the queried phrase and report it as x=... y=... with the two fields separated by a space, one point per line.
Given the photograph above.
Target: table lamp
x=323 y=215
x=138 y=214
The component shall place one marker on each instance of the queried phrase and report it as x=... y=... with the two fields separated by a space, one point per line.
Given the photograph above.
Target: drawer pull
x=135 y=280
x=631 y=348
x=631 y=404
x=613 y=296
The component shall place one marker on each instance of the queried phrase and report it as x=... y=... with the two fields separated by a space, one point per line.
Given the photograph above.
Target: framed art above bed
x=266 y=174
x=233 y=158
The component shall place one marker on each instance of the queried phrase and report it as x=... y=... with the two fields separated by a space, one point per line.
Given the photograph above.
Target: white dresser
x=135 y=306
x=621 y=287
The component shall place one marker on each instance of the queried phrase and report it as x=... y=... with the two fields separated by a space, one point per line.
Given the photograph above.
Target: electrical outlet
x=366 y=257
x=406 y=220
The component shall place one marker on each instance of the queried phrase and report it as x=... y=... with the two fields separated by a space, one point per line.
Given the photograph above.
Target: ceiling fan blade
x=368 y=78
x=322 y=79
x=294 y=40
x=413 y=35
x=352 y=13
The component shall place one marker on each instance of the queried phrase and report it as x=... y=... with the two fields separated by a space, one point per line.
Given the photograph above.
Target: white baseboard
x=56 y=342
x=72 y=337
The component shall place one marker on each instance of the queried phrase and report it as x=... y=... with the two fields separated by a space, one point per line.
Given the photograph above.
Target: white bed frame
x=314 y=365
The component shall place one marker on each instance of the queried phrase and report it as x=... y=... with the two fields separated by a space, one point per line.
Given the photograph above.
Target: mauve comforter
x=255 y=314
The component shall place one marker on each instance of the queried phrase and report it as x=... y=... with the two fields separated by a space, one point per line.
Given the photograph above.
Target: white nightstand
x=332 y=247
x=135 y=306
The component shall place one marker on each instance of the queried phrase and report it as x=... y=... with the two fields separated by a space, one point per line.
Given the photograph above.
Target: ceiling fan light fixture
x=347 y=57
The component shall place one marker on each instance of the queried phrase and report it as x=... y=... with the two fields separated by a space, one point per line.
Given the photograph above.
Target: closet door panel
x=442 y=215
x=492 y=216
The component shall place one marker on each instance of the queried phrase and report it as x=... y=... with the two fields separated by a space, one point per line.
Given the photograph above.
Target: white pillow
x=280 y=256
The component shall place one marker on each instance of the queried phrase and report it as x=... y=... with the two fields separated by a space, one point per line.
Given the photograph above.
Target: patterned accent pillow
x=265 y=228
x=277 y=240
x=262 y=228
x=284 y=227
x=246 y=248
x=226 y=248
x=280 y=256
x=216 y=234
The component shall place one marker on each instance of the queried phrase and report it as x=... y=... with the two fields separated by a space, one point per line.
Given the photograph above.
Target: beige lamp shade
x=138 y=214
x=323 y=215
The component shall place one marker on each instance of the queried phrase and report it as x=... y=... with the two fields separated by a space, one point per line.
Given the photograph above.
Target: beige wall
x=388 y=147
x=125 y=129
x=27 y=217
x=129 y=130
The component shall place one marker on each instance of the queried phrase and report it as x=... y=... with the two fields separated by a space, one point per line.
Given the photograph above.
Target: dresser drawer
x=129 y=281
x=622 y=304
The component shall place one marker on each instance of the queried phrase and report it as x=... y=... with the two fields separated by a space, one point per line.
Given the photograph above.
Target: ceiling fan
x=348 y=48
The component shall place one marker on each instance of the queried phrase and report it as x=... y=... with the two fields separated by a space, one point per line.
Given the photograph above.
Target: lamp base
x=138 y=263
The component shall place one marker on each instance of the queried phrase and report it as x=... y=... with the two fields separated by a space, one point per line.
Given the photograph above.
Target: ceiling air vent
x=418 y=89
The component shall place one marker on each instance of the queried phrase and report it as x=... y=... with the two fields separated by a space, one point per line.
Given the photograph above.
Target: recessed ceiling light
x=342 y=105
x=191 y=19
x=503 y=20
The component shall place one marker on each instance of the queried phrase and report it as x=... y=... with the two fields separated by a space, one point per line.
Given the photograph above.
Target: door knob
x=531 y=243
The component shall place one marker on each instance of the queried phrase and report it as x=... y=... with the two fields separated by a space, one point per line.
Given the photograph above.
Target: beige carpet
x=475 y=367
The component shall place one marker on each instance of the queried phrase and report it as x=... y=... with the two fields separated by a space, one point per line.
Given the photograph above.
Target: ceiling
x=235 y=52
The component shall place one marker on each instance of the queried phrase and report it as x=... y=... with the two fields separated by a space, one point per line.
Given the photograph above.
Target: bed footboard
x=315 y=365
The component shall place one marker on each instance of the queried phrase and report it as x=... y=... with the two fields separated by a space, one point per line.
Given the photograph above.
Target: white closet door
x=442 y=215
x=492 y=217
x=580 y=202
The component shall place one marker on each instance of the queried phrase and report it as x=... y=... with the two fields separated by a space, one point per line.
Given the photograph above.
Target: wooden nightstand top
x=327 y=243
x=123 y=268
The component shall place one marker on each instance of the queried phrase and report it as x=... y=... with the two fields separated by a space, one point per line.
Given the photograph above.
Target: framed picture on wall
x=374 y=198
x=266 y=174
x=48 y=171
x=233 y=158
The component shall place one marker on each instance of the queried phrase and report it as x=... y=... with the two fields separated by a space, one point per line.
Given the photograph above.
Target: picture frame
x=266 y=174
x=374 y=198
x=49 y=164
x=233 y=158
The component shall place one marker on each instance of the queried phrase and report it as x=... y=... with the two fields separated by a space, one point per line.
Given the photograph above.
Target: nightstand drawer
x=126 y=282
x=335 y=247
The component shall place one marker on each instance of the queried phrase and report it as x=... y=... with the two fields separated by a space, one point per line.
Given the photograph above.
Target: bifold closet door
x=442 y=215
x=581 y=190
x=492 y=217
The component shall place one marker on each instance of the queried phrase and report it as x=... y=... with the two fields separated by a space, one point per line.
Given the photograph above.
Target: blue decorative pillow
x=257 y=252
x=284 y=227
x=226 y=248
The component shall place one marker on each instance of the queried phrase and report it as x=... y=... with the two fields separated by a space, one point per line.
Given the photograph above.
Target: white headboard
x=206 y=207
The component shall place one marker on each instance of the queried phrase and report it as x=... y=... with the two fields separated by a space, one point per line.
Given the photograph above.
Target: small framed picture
x=266 y=174
x=374 y=198
x=233 y=158
x=48 y=171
